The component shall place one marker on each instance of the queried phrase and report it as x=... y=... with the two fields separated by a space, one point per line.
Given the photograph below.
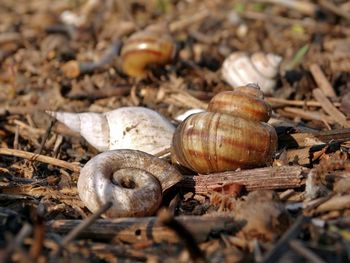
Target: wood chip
x=322 y=81
x=330 y=108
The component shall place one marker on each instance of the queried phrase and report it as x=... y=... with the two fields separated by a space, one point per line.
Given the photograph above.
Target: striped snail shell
x=136 y=128
x=232 y=134
x=261 y=68
x=152 y=46
x=133 y=181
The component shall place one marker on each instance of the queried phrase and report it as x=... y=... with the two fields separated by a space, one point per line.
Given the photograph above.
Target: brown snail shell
x=133 y=180
x=153 y=45
x=228 y=138
x=246 y=102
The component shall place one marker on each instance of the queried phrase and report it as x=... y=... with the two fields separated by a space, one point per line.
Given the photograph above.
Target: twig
x=165 y=218
x=278 y=102
x=309 y=206
x=308 y=115
x=304 y=7
x=261 y=178
x=20 y=110
x=335 y=203
x=328 y=107
x=40 y=158
x=45 y=136
x=9 y=37
x=163 y=153
x=73 y=68
x=188 y=20
x=185 y=99
x=281 y=246
x=299 y=248
x=123 y=252
x=310 y=24
x=81 y=227
x=335 y=9
x=322 y=81
x=133 y=230
x=106 y=92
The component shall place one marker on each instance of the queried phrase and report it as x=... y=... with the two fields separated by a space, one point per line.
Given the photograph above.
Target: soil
x=68 y=56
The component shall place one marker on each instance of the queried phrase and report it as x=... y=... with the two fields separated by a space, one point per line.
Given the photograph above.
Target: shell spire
x=92 y=126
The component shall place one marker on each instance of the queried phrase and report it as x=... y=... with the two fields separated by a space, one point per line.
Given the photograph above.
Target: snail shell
x=153 y=45
x=183 y=116
x=135 y=128
x=231 y=136
x=133 y=180
x=260 y=68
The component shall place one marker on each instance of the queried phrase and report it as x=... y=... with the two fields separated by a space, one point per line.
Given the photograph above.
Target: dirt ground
x=68 y=56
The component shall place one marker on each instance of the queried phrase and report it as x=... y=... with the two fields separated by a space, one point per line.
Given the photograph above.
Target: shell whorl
x=246 y=102
x=133 y=180
x=136 y=128
x=154 y=45
x=262 y=68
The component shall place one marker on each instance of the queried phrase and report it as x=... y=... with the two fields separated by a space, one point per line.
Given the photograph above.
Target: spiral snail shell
x=135 y=128
x=133 y=181
x=261 y=68
x=232 y=134
x=153 y=45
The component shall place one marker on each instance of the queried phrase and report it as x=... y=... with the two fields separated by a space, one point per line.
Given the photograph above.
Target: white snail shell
x=135 y=128
x=133 y=181
x=261 y=68
x=181 y=117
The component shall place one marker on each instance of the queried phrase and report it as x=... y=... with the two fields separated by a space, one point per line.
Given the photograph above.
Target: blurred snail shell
x=133 y=181
x=231 y=135
x=261 y=68
x=153 y=45
x=135 y=128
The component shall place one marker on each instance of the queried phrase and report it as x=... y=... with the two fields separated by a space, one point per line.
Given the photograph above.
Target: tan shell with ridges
x=231 y=137
x=133 y=180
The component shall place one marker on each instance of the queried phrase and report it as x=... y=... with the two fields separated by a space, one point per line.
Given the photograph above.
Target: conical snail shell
x=260 y=68
x=231 y=137
x=133 y=181
x=135 y=128
x=153 y=45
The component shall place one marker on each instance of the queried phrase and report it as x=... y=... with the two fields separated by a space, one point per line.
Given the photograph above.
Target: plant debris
x=65 y=56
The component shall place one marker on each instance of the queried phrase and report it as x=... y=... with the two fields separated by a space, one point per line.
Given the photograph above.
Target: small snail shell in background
x=153 y=45
x=260 y=68
x=133 y=180
x=135 y=128
x=233 y=134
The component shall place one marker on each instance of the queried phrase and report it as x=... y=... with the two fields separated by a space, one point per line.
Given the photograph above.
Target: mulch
x=64 y=55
